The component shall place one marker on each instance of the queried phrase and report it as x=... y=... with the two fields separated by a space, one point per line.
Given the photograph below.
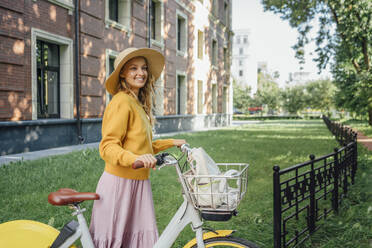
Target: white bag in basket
x=211 y=191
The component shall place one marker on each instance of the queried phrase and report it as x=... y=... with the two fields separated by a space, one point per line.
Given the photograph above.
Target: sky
x=272 y=39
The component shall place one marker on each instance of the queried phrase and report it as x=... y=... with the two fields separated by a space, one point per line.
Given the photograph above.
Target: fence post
x=311 y=221
x=355 y=159
x=344 y=165
x=277 y=208
x=335 y=181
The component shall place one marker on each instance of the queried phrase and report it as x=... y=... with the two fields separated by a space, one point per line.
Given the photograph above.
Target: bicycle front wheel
x=221 y=242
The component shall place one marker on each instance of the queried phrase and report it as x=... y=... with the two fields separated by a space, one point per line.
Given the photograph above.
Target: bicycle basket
x=221 y=193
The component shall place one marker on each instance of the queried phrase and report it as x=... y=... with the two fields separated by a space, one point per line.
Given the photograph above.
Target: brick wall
x=18 y=17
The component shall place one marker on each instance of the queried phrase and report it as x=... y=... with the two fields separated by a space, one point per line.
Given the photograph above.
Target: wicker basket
x=221 y=193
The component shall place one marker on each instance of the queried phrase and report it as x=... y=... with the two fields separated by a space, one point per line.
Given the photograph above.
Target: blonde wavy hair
x=145 y=94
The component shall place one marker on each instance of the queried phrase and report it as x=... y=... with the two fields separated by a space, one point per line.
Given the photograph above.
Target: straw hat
x=155 y=64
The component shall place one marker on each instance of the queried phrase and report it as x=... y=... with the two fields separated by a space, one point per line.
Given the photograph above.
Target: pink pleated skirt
x=124 y=216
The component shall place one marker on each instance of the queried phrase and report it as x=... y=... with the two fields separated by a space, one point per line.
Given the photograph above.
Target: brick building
x=51 y=95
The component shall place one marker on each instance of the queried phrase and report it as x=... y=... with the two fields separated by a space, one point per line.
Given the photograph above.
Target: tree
x=268 y=92
x=293 y=99
x=320 y=94
x=241 y=96
x=344 y=37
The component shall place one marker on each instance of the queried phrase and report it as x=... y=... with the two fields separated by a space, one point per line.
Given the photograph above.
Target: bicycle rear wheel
x=221 y=242
x=26 y=233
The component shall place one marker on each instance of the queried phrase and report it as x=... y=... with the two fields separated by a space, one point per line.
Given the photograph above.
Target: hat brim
x=155 y=64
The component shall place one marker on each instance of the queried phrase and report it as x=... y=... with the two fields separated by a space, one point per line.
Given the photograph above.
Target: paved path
x=365 y=140
x=5 y=159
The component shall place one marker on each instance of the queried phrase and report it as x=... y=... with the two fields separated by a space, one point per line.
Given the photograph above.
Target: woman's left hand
x=179 y=142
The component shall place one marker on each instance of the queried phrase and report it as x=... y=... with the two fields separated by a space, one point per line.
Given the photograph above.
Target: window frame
x=66 y=77
x=225 y=58
x=215 y=8
x=67 y=4
x=125 y=15
x=110 y=54
x=225 y=99
x=178 y=110
x=158 y=7
x=226 y=7
x=214 y=98
x=214 y=53
x=200 y=98
x=42 y=113
x=200 y=41
x=183 y=51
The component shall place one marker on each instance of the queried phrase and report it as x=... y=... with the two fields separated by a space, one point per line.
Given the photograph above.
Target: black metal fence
x=306 y=194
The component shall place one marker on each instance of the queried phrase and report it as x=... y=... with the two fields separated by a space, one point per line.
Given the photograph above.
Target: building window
x=118 y=13
x=225 y=100
x=238 y=40
x=111 y=69
x=226 y=12
x=113 y=10
x=241 y=51
x=214 y=98
x=48 y=88
x=240 y=62
x=215 y=7
x=156 y=20
x=200 y=44
x=214 y=52
x=153 y=20
x=225 y=59
x=245 y=40
x=181 y=32
x=240 y=73
x=181 y=94
x=65 y=78
x=111 y=65
x=110 y=59
x=200 y=97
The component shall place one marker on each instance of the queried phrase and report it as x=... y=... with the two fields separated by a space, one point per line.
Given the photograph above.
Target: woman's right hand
x=148 y=160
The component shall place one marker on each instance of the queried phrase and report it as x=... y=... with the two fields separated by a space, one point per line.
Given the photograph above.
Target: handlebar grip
x=159 y=160
x=137 y=164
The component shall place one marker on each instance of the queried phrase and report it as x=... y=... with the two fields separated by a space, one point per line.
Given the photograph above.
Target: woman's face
x=135 y=73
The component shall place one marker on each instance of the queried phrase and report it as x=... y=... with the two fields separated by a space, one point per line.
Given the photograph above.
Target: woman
x=124 y=216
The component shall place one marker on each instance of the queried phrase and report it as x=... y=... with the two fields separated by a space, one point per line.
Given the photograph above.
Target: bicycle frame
x=185 y=214
x=82 y=231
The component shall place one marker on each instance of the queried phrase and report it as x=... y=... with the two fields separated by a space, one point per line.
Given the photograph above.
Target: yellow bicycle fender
x=208 y=235
x=27 y=233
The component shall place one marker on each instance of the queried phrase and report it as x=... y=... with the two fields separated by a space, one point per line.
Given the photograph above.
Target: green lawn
x=25 y=185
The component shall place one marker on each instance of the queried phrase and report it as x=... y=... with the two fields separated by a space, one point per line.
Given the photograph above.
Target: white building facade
x=244 y=63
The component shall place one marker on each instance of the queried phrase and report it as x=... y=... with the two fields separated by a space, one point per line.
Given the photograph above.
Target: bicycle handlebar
x=159 y=161
x=185 y=148
x=161 y=158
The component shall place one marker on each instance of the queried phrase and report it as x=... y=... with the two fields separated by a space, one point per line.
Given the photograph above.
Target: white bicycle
x=222 y=206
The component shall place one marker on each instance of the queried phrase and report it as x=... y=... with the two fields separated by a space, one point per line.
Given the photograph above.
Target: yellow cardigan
x=126 y=134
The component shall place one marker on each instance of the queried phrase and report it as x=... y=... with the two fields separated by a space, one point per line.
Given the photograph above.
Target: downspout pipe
x=80 y=138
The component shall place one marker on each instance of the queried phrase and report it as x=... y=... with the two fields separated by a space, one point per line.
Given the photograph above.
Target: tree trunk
x=370 y=115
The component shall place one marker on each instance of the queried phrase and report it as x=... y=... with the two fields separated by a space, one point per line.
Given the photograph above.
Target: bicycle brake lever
x=167 y=160
x=160 y=158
